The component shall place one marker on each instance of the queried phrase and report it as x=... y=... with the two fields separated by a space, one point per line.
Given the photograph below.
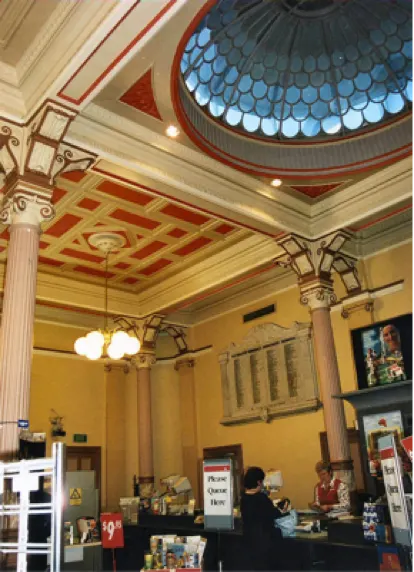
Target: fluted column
x=24 y=213
x=145 y=454
x=188 y=420
x=313 y=261
x=319 y=297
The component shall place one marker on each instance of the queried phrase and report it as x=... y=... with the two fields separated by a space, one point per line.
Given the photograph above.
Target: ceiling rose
x=301 y=69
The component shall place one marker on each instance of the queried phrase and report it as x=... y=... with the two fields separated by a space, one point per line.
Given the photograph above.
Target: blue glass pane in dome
x=346 y=87
x=233 y=116
x=292 y=94
x=326 y=72
x=359 y=100
x=263 y=107
x=259 y=89
x=409 y=91
x=319 y=110
x=374 y=112
x=203 y=38
x=251 y=123
x=245 y=84
x=216 y=106
x=202 y=95
x=331 y=125
x=300 y=111
x=311 y=127
x=353 y=119
x=192 y=81
x=290 y=127
x=394 y=103
x=246 y=102
x=363 y=81
x=270 y=126
x=206 y=72
x=310 y=94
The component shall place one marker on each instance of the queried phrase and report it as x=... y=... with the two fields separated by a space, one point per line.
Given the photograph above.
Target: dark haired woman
x=330 y=493
x=261 y=538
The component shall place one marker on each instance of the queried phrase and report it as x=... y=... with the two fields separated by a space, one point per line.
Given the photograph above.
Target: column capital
x=26 y=205
x=145 y=360
x=313 y=262
x=184 y=363
x=317 y=294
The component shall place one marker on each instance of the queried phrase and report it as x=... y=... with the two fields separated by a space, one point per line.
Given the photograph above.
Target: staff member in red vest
x=330 y=493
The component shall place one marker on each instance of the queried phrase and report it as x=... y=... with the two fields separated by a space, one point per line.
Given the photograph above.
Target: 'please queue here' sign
x=218 y=494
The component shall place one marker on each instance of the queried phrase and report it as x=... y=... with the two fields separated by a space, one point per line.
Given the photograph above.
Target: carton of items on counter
x=175 y=553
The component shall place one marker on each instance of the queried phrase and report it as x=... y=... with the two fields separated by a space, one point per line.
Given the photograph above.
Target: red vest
x=329 y=495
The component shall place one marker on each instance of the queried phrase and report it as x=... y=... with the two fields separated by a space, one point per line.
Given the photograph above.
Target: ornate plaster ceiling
x=194 y=226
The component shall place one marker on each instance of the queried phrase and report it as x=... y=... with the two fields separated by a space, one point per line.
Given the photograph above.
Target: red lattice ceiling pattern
x=161 y=237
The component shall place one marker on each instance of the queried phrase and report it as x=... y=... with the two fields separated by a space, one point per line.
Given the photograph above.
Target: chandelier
x=114 y=343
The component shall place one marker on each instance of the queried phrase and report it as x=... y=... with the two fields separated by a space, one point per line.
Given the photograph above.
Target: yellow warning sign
x=75 y=497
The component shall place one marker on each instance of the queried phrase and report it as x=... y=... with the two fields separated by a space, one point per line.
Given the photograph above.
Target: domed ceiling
x=301 y=71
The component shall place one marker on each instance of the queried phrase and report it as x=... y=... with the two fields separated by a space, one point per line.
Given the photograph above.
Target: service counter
x=312 y=551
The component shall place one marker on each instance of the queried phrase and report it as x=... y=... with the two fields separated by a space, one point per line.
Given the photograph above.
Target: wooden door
x=85 y=459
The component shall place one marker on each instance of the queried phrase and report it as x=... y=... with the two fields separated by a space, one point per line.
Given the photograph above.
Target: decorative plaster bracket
x=184 y=363
x=367 y=305
x=35 y=152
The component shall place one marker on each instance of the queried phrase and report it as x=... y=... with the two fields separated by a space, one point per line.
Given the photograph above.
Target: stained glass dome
x=286 y=69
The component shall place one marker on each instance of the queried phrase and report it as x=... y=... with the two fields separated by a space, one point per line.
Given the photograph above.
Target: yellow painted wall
x=104 y=406
x=290 y=444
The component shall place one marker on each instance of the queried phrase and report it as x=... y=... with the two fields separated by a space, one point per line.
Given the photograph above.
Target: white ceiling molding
x=383 y=189
x=12 y=15
x=282 y=213
x=228 y=265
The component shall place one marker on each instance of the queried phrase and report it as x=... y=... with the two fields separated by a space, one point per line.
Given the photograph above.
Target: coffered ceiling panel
x=161 y=238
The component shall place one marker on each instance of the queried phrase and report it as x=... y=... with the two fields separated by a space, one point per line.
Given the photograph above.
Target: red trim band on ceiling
x=120 y=56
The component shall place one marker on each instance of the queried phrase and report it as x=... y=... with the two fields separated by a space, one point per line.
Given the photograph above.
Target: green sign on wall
x=80 y=438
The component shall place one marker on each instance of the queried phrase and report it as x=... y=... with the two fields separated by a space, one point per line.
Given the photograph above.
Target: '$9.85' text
x=110 y=527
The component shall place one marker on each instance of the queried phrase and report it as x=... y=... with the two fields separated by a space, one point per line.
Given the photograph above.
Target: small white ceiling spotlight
x=276 y=182
x=172 y=131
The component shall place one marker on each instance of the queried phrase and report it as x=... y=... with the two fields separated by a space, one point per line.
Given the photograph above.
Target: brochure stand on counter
x=218 y=498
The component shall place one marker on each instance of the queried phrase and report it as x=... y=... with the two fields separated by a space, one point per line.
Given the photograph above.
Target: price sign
x=112 y=530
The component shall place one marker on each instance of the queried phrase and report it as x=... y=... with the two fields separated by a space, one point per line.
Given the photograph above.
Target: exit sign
x=80 y=438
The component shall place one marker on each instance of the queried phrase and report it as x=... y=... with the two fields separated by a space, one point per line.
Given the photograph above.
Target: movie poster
x=384 y=361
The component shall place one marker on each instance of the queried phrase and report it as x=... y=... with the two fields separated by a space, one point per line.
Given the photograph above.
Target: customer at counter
x=331 y=494
x=261 y=538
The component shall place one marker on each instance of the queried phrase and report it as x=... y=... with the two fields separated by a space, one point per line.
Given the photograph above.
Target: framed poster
x=377 y=426
x=383 y=352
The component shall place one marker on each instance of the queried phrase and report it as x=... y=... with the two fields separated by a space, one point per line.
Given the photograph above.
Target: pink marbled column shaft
x=16 y=343
x=335 y=421
x=145 y=453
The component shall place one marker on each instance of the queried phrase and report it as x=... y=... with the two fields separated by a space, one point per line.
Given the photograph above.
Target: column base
x=146 y=487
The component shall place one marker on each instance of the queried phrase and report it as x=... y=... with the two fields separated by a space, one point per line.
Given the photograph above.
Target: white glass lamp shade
x=120 y=339
x=95 y=338
x=115 y=351
x=94 y=352
x=81 y=346
x=133 y=346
